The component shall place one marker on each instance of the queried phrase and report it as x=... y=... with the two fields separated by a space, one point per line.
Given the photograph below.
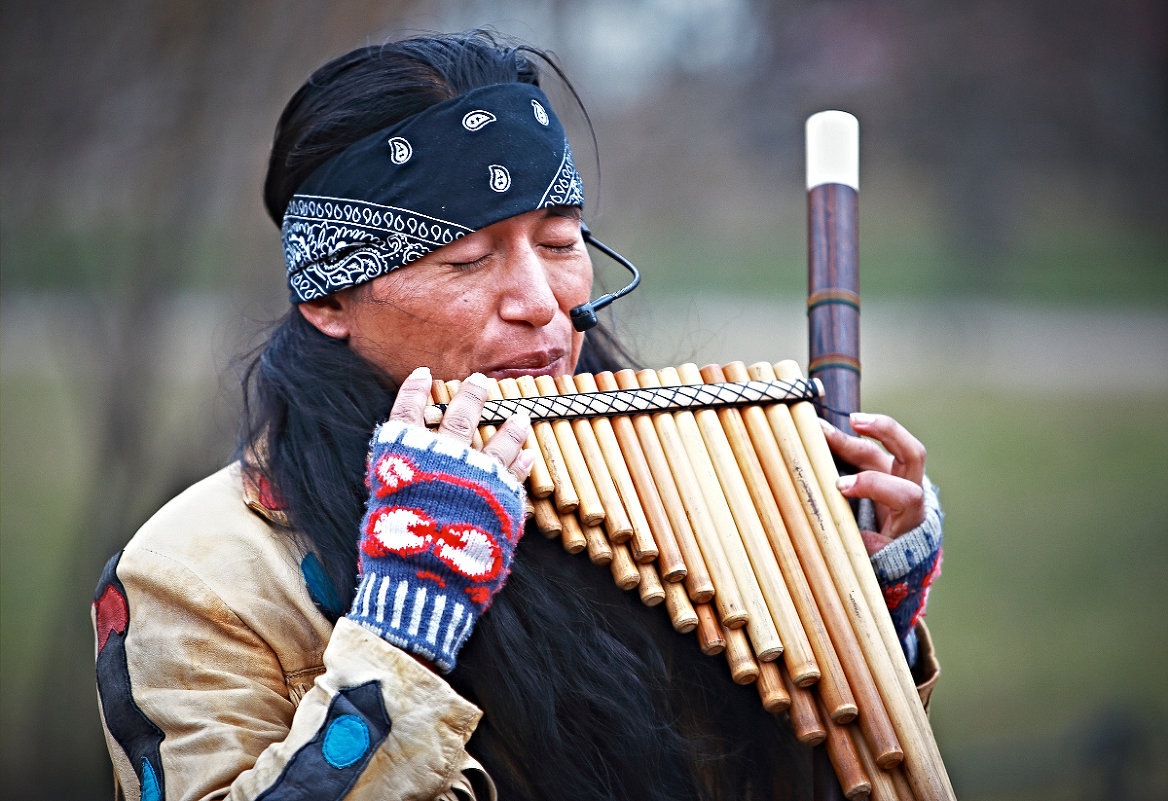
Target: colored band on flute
x=645 y=400
x=843 y=297
x=841 y=360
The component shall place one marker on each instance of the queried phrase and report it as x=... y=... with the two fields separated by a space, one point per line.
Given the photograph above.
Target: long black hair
x=587 y=693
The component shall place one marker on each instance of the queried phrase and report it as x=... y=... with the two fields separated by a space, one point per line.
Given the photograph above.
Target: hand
x=441 y=524
x=891 y=476
x=462 y=417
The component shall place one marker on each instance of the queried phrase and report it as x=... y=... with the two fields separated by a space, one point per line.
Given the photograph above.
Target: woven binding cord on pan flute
x=642 y=401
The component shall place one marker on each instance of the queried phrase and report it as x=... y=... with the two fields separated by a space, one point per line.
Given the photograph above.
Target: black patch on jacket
x=138 y=736
x=326 y=767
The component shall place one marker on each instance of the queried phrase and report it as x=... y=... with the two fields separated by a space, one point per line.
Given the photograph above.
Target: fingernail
x=861 y=417
x=845 y=483
x=479 y=380
x=523 y=463
x=522 y=417
x=421 y=372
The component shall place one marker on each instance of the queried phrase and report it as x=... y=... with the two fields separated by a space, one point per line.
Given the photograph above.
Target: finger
x=465 y=408
x=412 y=397
x=863 y=454
x=521 y=467
x=907 y=451
x=507 y=443
x=904 y=499
x=874 y=541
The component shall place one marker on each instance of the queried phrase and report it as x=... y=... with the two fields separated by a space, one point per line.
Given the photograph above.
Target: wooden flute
x=833 y=309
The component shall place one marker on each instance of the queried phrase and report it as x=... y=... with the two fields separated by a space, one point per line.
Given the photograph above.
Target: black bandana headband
x=413 y=187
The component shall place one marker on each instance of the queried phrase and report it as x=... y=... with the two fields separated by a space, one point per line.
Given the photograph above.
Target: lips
x=547 y=362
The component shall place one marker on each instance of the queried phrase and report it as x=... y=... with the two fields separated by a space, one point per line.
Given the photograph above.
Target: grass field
x=1049 y=618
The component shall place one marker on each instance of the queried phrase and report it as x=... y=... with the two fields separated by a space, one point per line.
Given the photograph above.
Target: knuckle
x=915 y=496
x=509 y=430
x=406 y=412
x=458 y=425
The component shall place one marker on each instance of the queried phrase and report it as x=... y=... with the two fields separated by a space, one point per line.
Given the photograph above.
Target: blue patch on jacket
x=320 y=589
x=326 y=767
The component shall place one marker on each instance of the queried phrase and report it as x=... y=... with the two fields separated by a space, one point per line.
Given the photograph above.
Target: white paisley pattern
x=332 y=243
x=477 y=119
x=400 y=149
x=566 y=188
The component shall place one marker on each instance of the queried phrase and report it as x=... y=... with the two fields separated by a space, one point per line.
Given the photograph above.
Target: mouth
x=544 y=362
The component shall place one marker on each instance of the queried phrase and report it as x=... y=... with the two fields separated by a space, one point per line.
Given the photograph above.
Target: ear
x=328 y=315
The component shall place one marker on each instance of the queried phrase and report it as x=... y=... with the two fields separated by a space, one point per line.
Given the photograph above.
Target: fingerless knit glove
x=437 y=540
x=907 y=567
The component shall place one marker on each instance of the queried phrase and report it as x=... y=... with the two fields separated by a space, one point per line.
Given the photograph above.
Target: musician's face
x=495 y=301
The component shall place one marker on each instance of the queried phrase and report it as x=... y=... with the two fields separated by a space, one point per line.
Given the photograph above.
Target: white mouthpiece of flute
x=833 y=149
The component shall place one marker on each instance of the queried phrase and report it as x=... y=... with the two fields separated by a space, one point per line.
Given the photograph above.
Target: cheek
x=574 y=285
x=577 y=343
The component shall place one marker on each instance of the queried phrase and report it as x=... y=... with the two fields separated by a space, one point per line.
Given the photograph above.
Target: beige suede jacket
x=219 y=678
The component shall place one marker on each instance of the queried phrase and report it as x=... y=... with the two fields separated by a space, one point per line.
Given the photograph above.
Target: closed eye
x=570 y=248
x=463 y=266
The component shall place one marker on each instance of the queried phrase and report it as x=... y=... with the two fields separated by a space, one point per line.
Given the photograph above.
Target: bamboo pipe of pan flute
x=763 y=466
x=740 y=656
x=804 y=715
x=547 y=519
x=887 y=785
x=845 y=648
x=597 y=544
x=645 y=542
x=841 y=750
x=651 y=589
x=884 y=736
x=617 y=523
x=770 y=687
x=681 y=611
x=679 y=553
x=922 y=759
x=660 y=440
x=588 y=505
x=711 y=640
x=572 y=534
x=737 y=467
x=541 y=483
x=724 y=535
x=563 y=492
x=624 y=569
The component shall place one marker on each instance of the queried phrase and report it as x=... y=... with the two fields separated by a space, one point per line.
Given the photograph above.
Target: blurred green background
x=1014 y=269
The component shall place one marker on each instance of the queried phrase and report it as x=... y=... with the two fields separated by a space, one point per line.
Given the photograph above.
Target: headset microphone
x=584 y=316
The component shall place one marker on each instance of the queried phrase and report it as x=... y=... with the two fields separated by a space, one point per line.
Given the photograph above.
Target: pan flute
x=712 y=492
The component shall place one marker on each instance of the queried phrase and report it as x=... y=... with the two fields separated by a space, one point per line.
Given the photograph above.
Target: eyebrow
x=571 y=212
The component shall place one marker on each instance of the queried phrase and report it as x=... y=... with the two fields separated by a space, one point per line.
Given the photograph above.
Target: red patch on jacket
x=112 y=615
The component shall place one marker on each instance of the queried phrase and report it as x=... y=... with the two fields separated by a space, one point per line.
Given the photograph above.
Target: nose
x=526 y=292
